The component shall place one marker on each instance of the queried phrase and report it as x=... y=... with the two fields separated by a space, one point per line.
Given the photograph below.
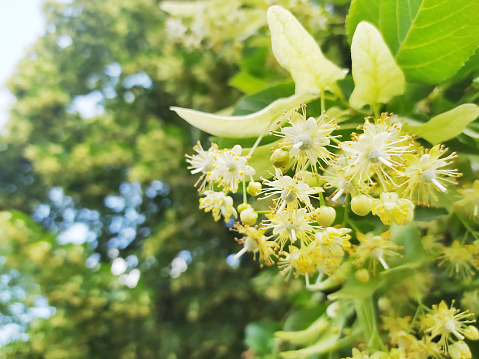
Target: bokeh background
x=103 y=251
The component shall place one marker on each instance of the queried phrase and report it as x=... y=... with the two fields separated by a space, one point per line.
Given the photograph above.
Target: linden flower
x=390 y=208
x=255 y=241
x=331 y=244
x=458 y=259
x=202 y=162
x=470 y=200
x=290 y=227
x=426 y=174
x=376 y=151
x=307 y=139
x=449 y=324
x=230 y=168
x=302 y=261
x=375 y=248
x=220 y=205
x=460 y=350
x=362 y=355
x=291 y=192
x=336 y=177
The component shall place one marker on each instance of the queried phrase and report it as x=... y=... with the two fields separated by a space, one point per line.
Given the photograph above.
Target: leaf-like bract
x=449 y=124
x=376 y=76
x=245 y=126
x=296 y=51
x=430 y=39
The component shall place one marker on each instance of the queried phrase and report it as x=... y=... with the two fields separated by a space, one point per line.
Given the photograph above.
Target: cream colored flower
x=307 y=139
x=449 y=324
x=377 y=150
x=230 y=168
x=202 y=163
x=469 y=203
x=219 y=204
x=426 y=174
x=291 y=191
x=375 y=249
x=390 y=208
x=288 y=227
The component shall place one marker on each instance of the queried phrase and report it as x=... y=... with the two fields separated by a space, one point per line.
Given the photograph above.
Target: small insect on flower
x=375 y=249
x=219 y=204
x=230 y=168
x=377 y=150
x=459 y=259
x=449 y=324
x=390 y=208
x=202 y=163
x=426 y=174
x=307 y=139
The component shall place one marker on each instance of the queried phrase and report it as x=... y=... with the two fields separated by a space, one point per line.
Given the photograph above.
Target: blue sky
x=21 y=22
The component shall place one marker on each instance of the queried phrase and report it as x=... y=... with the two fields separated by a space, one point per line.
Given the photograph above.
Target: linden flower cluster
x=288 y=211
x=381 y=170
x=439 y=333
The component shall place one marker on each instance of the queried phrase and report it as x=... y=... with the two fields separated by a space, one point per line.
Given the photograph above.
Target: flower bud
x=459 y=350
x=471 y=333
x=279 y=158
x=362 y=275
x=243 y=206
x=361 y=205
x=249 y=216
x=325 y=216
x=253 y=188
x=384 y=304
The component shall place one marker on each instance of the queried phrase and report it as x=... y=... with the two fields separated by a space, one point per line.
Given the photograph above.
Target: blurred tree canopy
x=91 y=147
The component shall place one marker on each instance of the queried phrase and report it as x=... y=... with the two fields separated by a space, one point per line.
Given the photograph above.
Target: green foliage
x=449 y=124
x=211 y=310
x=430 y=39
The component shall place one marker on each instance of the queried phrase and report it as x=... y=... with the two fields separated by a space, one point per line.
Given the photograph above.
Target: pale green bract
x=376 y=76
x=430 y=39
x=296 y=51
x=449 y=124
x=252 y=125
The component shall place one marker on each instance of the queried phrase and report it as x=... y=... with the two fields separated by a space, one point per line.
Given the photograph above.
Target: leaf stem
x=468 y=227
x=258 y=140
x=367 y=320
x=322 y=101
x=377 y=109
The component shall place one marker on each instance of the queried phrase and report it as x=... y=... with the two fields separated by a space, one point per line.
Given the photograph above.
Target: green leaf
x=376 y=76
x=354 y=289
x=361 y=10
x=260 y=336
x=430 y=39
x=260 y=159
x=259 y=100
x=250 y=125
x=247 y=83
x=447 y=125
x=396 y=19
x=443 y=36
x=296 y=51
x=306 y=336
